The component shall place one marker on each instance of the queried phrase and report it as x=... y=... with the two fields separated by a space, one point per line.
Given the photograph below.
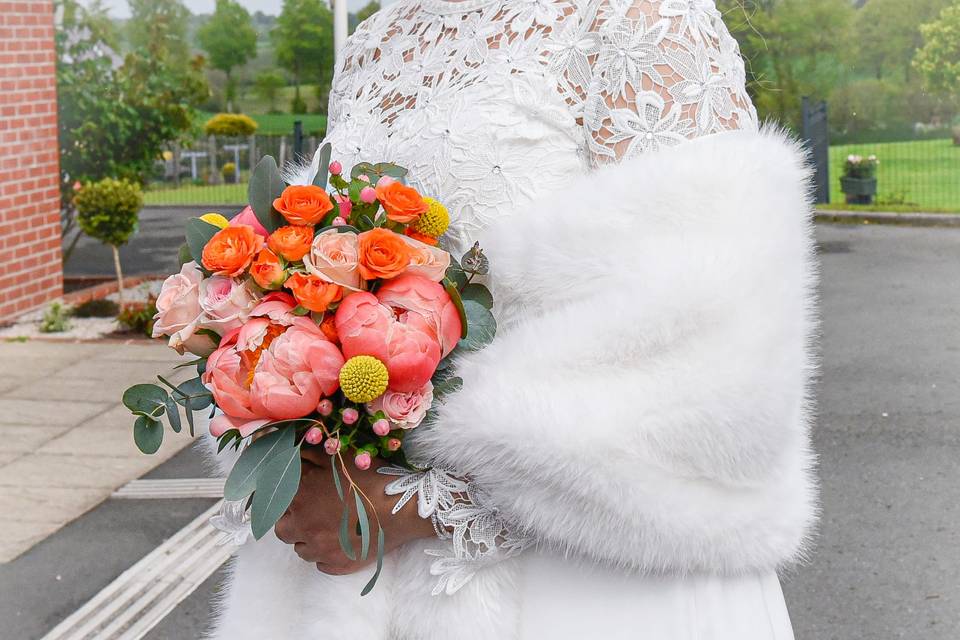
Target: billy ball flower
x=363 y=379
x=435 y=221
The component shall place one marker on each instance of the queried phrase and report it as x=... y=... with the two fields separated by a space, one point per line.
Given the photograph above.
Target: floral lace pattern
x=459 y=513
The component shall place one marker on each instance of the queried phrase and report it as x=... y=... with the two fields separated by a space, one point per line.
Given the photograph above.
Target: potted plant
x=859 y=179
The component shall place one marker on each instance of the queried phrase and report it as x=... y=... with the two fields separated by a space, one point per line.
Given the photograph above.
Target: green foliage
x=303 y=44
x=150 y=402
x=368 y=10
x=160 y=26
x=139 y=317
x=56 y=319
x=267 y=86
x=229 y=172
x=96 y=308
x=230 y=40
x=298 y=105
x=230 y=124
x=266 y=185
x=938 y=61
x=861 y=168
x=108 y=210
x=888 y=34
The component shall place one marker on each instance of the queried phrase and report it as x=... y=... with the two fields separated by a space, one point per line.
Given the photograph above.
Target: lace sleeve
x=662 y=71
x=479 y=536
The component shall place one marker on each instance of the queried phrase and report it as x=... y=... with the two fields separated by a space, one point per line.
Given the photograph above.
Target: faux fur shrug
x=645 y=404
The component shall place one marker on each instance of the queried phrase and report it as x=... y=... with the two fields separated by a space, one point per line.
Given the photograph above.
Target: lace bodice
x=490 y=103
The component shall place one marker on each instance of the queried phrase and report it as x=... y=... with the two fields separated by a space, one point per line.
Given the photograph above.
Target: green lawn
x=918 y=176
x=281 y=123
x=190 y=195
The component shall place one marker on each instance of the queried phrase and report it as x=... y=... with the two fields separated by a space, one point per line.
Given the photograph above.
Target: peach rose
x=382 y=254
x=267 y=271
x=178 y=312
x=429 y=262
x=313 y=292
x=404 y=410
x=226 y=304
x=291 y=242
x=230 y=251
x=333 y=257
x=403 y=204
x=303 y=205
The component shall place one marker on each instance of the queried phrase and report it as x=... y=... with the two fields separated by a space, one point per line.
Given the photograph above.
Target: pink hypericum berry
x=381 y=427
x=394 y=444
x=385 y=181
x=368 y=195
x=362 y=461
x=336 y=168
x=350 y=416
x=339 y=222
x=314 y=435
x=325 y=408
x=331 y=446
x=364 y=178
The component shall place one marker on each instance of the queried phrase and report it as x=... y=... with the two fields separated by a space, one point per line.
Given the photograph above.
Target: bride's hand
x=312 y=523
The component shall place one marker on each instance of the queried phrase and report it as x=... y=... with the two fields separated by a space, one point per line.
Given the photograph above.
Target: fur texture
x=645 y=404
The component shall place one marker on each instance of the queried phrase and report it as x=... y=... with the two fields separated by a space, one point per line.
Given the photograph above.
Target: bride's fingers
x=315 y=455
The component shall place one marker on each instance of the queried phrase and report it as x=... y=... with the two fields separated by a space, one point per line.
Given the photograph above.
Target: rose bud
x=314 y=435
x=339 y=221
x=381 y=427
x=325 y=408
x=362 y=461
x=331 y=446
x=394 y=444
x=368 y=195
x=350 y=416
x=336 y=168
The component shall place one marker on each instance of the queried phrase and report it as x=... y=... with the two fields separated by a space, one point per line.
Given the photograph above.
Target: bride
x=629 y=458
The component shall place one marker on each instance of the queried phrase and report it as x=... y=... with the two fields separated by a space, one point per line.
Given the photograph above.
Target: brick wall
x=30 y=262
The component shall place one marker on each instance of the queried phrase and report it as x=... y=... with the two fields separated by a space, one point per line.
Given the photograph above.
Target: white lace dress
x=490 y=104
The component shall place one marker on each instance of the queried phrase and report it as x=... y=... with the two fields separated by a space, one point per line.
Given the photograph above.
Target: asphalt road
x=887 y=564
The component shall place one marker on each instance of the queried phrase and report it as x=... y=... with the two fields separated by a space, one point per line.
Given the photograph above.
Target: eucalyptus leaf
x=277 y=485
x=478 y=293
x=146 y=400
x=455 y=274
x=266 y=185
x=199 y=232
x=173 y=414
x=474 y=261
x=323 y=169
x=376 y=574
x=346 y=543
x=228 y=437
x=147 y=434
x=364 y=525
x=336 y=478
x=184 y=254
x=483 y=326
x=242 y=480
x=458 y=303
x=448 y=386
x=361 y=168
x=194 y=391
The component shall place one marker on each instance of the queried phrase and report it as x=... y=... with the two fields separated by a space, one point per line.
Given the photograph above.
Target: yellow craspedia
x=215 y=219
x=435 y=221
x=363 y=379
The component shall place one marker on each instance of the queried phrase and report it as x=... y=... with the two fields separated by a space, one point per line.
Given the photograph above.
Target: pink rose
x=333 y=256
x=178 y=312
x=249 y=218
x=425 y=304
x=406 y=345
x=429 y=262
x=404 y=410
x=226 y=304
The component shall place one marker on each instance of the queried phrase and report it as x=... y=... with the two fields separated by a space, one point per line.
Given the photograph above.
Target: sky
x=119 y=9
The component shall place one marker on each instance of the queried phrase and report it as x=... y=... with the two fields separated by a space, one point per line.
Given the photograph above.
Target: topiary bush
x=233 y=125
x=108 y=211
x=229 y=172
x=96 y=308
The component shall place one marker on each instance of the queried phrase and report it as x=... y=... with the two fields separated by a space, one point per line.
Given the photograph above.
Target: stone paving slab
x=66 y=442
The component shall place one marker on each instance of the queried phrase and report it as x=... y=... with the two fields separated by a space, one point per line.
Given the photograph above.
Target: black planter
x=859 y=190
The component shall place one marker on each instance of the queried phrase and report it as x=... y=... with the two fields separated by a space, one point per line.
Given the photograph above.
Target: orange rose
x=267 y=271
x=292 y=242
x=312 y=292
x=382 y=254
x=305 y=205
x=402 y=203
x=230 y=251
x=422 y=237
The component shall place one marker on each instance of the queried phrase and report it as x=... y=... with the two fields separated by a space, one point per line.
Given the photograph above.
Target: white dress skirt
x=568 y=600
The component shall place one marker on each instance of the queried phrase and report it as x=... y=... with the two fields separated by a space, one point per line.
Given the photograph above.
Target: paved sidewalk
x=66 y=442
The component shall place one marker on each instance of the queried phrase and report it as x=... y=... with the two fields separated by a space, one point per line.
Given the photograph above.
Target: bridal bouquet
x=324 y=316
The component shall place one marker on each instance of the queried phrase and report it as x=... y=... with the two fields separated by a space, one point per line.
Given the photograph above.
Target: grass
x=188 y=195
x=921 y=175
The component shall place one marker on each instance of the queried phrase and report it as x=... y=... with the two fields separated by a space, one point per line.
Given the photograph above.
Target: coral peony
x=424 y=304
x=230 y=251
x=291 y=242
x=303 y=205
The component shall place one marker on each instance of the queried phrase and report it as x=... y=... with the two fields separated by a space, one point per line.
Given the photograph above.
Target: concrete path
x=66 y=442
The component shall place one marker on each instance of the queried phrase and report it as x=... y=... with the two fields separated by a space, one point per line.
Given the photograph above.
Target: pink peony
x=249 y=218
x=226 y=377
x=178 y=312
x=423 y=303
x=404 y=410
x=226 y=304
x=333 y=257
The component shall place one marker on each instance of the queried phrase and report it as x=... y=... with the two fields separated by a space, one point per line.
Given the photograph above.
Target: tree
x=229 y=40
x=160 y=24
x=938 y=61
x=267 y=85
x=371 y=8
x=303 y=43
x=108 y=211
x=888 y=35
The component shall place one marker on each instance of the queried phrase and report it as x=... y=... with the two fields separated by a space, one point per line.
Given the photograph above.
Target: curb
x=889 y=218
x=106 y=288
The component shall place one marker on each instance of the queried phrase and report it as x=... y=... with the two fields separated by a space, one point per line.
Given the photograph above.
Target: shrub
x=229 y=172
x=233 y=125
x=56 y=319
x=298 y=105
x=96 y=308
x=860 y=167
x=956 y=135
x=108 y=210
x=139 y=317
